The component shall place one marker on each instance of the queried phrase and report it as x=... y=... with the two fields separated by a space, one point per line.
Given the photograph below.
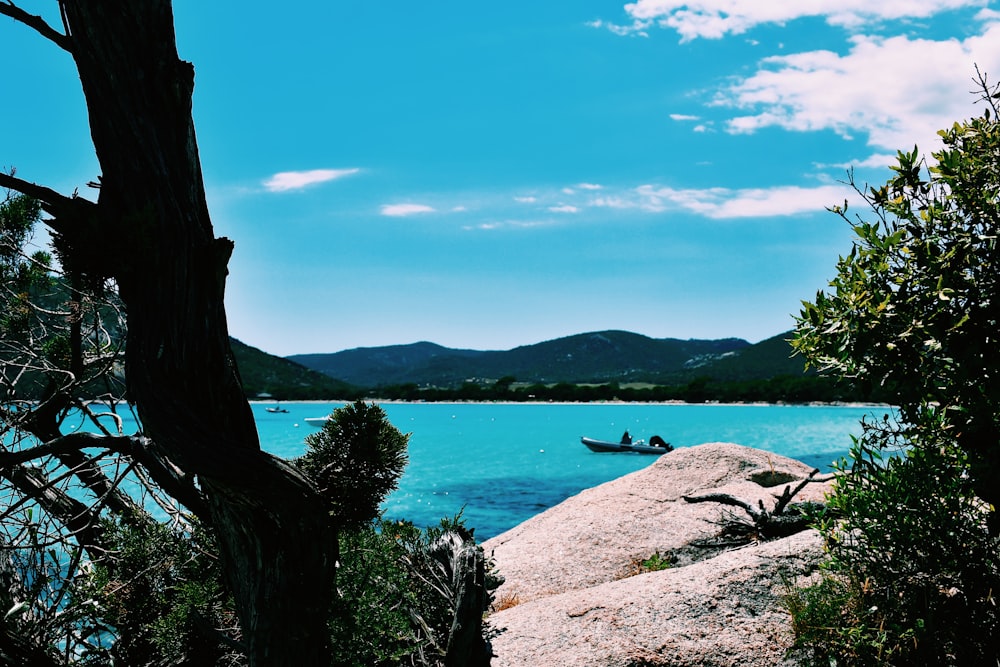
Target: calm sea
x=503 y=463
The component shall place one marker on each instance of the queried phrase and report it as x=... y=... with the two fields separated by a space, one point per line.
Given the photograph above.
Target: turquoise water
x=504 y=463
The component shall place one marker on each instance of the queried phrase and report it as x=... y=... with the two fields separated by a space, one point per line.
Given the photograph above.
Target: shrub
x=912 y=568
x=160 y=592
x=356 y=460
x=397 y=601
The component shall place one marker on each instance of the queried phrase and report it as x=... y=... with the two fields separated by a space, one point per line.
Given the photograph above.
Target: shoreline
x=815 y=404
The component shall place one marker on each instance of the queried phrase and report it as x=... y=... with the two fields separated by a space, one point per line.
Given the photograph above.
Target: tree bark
x=151 y=232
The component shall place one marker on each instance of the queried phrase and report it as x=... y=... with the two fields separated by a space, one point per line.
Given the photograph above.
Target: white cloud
x=634 y=30
x=713 y=19
x=403 y=210
x=895 y=91
x=485 y=226
x=508 y=224
x=564 y=208
x=615 y=201
x=682 y=117
x=525 y=200
x=589 y=186
x=874 y=161
x=725 y=203
x=296 y=180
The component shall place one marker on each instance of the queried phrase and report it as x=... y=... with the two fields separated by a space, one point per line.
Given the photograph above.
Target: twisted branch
x=38 y=24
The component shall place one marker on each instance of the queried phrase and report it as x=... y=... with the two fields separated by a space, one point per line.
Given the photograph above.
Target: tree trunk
x=151 y=232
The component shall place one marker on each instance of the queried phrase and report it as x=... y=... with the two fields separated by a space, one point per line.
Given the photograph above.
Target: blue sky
x=488 y=175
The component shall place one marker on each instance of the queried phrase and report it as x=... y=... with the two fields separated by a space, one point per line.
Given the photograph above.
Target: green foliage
x=913 y=307
x=830 y=618
x=370 y=624
x=392 y=606
x=911 y=526
x=356 y=460
x=657 y=562
x=18 y=215
x=912 y=569
x=160 y=592
x=22 y=275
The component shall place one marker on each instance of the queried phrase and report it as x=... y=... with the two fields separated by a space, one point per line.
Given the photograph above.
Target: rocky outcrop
x=571 y=597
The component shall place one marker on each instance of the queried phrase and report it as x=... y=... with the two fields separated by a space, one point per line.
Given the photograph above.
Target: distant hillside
x=766 y=359
x=391 y=364
x=281 y=379
x=598 y=357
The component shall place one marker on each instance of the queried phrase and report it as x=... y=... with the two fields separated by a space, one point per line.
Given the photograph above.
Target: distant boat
x=316 y=422
x=639 y=446
x=277 y=409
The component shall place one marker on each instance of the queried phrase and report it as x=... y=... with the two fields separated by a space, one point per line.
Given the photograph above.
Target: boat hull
x=605 y=446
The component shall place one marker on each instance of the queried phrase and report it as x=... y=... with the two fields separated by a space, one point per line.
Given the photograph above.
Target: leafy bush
x=912 y=568
x=912 y=528
x=396 y=601
x=399 y=589
x=160 y=592
x=356 y=460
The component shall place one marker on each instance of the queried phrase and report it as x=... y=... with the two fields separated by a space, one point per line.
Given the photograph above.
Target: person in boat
x=626 y=438
x=657 y=441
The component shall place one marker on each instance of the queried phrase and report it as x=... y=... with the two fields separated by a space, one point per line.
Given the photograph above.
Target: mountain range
x=597 y=357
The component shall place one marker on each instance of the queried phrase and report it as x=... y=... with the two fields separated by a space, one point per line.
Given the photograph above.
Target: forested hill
x=599 y=357
x=265 y=375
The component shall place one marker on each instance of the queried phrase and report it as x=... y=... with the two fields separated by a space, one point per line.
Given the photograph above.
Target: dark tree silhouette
x=149 y=231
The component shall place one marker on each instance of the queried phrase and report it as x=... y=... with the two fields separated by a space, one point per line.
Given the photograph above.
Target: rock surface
x=572 y=600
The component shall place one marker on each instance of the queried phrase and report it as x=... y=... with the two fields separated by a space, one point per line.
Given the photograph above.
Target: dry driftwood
x=784 y=519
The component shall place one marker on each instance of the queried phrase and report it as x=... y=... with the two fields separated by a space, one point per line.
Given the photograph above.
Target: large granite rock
x=568 y=570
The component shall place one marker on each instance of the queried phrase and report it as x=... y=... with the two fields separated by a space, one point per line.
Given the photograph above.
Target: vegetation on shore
x=912 y=529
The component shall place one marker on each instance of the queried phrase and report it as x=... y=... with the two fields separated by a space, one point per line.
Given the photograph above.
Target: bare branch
x=164 y=473
x=38 y=24
x=724 y=499
x=787 y=495
x=66 y=444
x=58 y=205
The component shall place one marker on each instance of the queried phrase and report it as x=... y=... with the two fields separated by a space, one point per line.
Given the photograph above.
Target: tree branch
x=63 y=445
x=38 y=24
x=724 y=499
x=172 y=481
x=78 y=519
x=54 y=203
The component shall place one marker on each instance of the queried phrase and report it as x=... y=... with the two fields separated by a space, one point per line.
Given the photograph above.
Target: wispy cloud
x=404 y=210
x=875 y=161
x=492 y=225
x=682 y=117
x=725 y=203
x=634 y=30
x=589 y=204
x=714 y=19
x=296 y=180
